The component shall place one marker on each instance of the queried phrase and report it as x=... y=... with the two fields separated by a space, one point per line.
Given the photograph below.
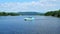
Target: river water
x=40 y=25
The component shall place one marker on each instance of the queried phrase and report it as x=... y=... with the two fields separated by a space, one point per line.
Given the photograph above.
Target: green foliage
x=8 y=14
x=53 y=13
x=13 y=14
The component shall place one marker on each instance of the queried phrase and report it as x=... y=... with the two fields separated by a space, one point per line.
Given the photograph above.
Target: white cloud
x=29 y=6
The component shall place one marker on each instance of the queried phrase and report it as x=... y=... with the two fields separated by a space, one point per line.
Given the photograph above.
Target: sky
x=29 y=5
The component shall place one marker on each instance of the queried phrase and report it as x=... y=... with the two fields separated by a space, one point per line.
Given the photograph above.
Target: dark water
x=41 y=25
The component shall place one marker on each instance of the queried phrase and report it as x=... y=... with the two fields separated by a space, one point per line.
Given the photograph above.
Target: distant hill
x=30 y=13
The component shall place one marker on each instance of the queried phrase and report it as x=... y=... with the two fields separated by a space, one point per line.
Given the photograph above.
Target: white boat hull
x=28 y=18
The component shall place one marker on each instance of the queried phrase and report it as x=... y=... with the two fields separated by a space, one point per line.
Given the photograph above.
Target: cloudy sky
x=29 y=5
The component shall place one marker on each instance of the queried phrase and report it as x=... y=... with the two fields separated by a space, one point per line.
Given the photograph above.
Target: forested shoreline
x=55 y=13
x=8 y=14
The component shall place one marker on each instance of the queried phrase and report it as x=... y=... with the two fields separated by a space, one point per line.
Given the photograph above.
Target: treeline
x=53 y=13
x=30 y=13
x=8 y=14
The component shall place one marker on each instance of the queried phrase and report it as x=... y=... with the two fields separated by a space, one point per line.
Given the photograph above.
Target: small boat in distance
x=29 y=19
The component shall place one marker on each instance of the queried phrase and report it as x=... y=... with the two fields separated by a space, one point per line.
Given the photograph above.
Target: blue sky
x=29 y=5
x=17 y=0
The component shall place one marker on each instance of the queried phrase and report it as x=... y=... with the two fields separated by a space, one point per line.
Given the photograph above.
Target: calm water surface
x=41 y=25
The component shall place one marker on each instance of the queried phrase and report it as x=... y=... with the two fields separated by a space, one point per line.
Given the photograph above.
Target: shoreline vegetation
x=19 y=13
x=9 y=14
x=53 y=13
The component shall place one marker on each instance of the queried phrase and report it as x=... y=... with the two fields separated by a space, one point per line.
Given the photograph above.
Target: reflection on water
x=41 y=25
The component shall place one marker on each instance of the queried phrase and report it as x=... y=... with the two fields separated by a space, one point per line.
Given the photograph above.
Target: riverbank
x=53 y=13
x=8 y=14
